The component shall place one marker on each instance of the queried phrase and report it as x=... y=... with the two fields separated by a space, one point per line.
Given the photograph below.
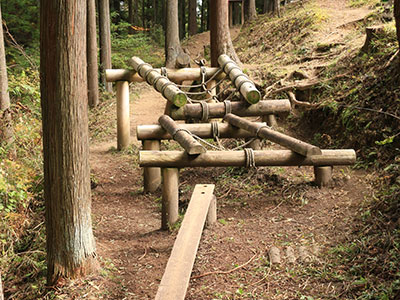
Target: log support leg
x=170 y=197
x=123 y=122
x=151 y=176
x=270 y=120
x=323 y=175
x=212 y=212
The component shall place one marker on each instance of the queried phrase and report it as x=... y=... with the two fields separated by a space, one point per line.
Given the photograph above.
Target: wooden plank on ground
x=175 y=280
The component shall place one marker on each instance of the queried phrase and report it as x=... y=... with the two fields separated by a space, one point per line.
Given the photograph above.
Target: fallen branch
x=225 y=272
x=294 y=101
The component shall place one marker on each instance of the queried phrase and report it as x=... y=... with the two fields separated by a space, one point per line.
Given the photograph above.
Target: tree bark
x=6 y=129
x=252 y=12
x=172 y=43
x=105 y=41
x=202 y=18
x=396 y=12
x=182 y=19
x=93 y=82
x=220 y=37
x=70 y=242
x=192 y=17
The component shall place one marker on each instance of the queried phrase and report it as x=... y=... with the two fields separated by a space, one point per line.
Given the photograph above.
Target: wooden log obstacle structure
x=163 y=166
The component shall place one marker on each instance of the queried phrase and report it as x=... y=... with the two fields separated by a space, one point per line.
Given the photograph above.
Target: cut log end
x=313 y=151
x=197 y=149
x=180 y=99
x=253 y=97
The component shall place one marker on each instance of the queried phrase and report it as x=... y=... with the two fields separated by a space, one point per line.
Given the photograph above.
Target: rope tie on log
x=250 y=160
x=142 y=65
x=163 y=72
x=155 y=82
x=228 y=107
x=180 y=129
x=204 y=111
x=146 y=74
x=244 y=81
x=215 y=129
x=261 y=127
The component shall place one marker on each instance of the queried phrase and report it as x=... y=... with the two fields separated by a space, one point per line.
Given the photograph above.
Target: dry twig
x=225 y=272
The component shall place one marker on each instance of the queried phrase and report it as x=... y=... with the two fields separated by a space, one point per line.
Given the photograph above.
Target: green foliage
x=141 y=44
x=22 y=19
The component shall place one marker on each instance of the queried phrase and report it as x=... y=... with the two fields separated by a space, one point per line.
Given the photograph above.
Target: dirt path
x=256 y=209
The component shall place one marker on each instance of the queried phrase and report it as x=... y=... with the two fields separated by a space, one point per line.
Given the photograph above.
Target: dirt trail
x=257 y=210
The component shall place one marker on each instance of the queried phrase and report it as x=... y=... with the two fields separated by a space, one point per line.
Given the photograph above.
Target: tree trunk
x=93 y=82
x=163 y=14
x=130 y=16
x=117 y=8
x=155 y=12
x=397 y=18
x=252 y=12
x=136 y=12
x=6 y=129
x=70 y=242
x=1 y=284
x=172 y=44
x=144 y=13
x=202 y=18
x=220 y=37
x=192 y=17
x=182 y=19
x=105 y=41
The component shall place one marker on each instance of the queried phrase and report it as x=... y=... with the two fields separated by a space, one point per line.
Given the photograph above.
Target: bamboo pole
x=175 y=75
x=262 y=158
x=202 y=130
x=182 y=136
x=240 y=108
x=170 y=197
x=123 y=121
x=162 y=84
x=264 y=132
x=151 y=176
x=242 y=82
x=175 y=280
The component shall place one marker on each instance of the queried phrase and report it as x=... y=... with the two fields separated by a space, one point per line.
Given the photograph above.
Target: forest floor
x=257 y=209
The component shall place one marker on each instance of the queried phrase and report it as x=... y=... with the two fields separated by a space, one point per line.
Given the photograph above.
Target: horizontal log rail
x=262 y=158
x=202 y=130
x=175 y=280
x=175 y=75
x=266 y=132
x=240 y=108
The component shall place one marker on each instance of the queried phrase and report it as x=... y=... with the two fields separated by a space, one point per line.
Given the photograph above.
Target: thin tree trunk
x=397 y=18
x=1 y=284
x=202 y=18
x=192 y=17
x=252 y=12
x=136 y=12
x=172 y=43
x=155 y=12
x=105 y=41
x=93 y=81
x=220 y=37
x=130 y=16
x=70 y=242
x=163 y=14
x=6 y=129
x=144 y=13
x=182 y=19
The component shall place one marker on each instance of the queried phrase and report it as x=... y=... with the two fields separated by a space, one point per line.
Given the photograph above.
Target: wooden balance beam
x=202 y=207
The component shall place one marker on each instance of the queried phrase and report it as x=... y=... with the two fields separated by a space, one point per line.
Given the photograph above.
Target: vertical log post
x=323 y=175
x=212 y=212
x=123 y=122
x=151 y=176
x=170 y=197
x=270 y=120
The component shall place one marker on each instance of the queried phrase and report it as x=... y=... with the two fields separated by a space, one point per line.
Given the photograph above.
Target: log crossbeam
x=265 y=132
